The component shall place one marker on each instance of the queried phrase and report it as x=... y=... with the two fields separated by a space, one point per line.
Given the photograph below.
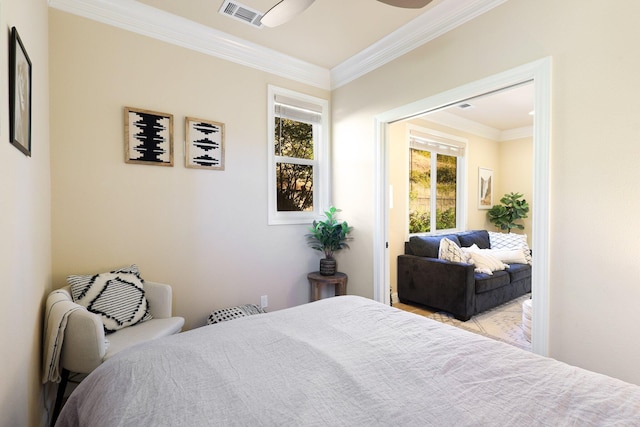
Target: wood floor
x=423 y=311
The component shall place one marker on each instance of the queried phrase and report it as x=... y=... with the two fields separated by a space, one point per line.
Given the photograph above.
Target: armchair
x=84 y=347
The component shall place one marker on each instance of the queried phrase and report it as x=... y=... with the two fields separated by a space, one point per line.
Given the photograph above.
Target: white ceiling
x=501 y=113
x=332 y=41
x=326 y=34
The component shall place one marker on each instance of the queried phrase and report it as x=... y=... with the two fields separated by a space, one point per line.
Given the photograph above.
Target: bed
x=342 y=361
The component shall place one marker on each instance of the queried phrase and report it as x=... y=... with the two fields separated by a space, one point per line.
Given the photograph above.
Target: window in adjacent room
x=436 y=181
x=298 y=156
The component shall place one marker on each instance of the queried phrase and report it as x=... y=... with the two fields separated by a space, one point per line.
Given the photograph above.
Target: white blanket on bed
x=343 y=361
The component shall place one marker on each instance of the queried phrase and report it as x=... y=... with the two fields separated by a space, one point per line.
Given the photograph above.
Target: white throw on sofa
x=85 y=345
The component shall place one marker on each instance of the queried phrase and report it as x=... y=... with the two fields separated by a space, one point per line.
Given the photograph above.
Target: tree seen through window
x=421 y=202
x=294 y=174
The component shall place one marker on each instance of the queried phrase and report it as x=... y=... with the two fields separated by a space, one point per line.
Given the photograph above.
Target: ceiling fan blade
x=408 y=4
x=284 y=11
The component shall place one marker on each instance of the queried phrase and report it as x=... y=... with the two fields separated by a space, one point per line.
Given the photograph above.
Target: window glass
x=420 y=191
x=294 y=187
x=446 y=191
x=435 y=187
x=297 y=157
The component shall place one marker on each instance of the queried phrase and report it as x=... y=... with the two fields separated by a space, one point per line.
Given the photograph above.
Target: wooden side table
x=317 y=281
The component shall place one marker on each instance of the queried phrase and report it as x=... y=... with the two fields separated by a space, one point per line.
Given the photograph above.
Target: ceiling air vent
x=242 y=13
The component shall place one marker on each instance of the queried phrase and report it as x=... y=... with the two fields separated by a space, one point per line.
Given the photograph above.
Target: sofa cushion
x=486 y=283
x=117 y=297
x=519 y=271
x=450 y=251
x=477 y=237
x=429 y=246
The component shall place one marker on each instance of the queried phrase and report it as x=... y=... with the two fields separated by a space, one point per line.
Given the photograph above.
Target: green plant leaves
x=512 y=209
x=329 y=235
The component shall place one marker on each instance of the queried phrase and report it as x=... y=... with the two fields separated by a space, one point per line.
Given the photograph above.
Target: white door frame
x=540 y=73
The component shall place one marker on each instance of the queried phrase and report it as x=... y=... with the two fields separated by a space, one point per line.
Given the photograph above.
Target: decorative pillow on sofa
x=485 y=263
x=508 y=256
x=225 y=314
x=450 y=251
x=117 y=297
x=510 y=241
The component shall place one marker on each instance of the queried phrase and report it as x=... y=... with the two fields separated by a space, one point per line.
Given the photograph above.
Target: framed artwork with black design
x=204 y=144
x=19 y=94
x=148 y=137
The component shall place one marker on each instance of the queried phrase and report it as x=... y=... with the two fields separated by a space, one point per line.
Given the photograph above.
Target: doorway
x=539 y=73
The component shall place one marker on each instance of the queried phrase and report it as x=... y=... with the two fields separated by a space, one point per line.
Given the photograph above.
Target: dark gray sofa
x=455 y=287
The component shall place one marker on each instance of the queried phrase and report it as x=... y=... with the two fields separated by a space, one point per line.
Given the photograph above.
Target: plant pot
x=328 y=266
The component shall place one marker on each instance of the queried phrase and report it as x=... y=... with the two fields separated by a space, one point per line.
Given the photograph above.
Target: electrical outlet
x=264 y=301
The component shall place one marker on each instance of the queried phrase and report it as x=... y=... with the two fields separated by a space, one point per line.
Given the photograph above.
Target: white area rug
x=503 y=323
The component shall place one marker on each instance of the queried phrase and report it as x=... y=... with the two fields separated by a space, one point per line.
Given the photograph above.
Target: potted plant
x=512 y=209
x=329 y=236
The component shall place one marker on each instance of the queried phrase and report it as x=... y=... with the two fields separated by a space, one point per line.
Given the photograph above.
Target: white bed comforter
x=344 y=361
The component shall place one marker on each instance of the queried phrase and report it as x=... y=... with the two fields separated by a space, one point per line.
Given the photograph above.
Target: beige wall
x=192 y=229
x=25 y=245
x=593 y=293
x=516 y=175
x=511 y=162
x=203 y=232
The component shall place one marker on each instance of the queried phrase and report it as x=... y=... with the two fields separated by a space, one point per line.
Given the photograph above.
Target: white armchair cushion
x=85 y=346
x=154 y=328
x=118 y=297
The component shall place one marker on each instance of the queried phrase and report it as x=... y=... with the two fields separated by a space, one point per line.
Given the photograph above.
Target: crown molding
x=453 y=121
x=438 y=20
x=148 y=21
x=518 y=133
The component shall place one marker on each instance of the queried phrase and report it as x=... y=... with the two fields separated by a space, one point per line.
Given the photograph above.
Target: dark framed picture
x=204 y=144
x=19 y=94
x=148 y=137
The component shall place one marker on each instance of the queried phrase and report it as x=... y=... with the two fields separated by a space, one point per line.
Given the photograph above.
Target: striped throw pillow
x=117 y=297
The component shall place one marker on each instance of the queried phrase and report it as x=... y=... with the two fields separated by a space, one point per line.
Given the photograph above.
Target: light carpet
x=502 y=323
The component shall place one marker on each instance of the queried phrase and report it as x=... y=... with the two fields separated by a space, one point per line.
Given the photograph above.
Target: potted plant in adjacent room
x=504 y=216
x=329 y=236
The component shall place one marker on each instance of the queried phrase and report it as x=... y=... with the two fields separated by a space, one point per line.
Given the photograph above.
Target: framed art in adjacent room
x=148 y=137
x=19 y=94
x=204 y=144
x=485 y=188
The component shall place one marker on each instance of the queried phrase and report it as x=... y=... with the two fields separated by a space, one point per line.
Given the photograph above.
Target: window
x=298 y=157
x=436 y=181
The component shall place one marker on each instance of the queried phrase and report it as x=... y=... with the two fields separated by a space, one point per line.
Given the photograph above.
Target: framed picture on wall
x=19 y=94
x=485 y=188
x=204 y=144
x=148 y=137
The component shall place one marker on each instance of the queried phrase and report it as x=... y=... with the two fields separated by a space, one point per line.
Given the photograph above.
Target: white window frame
x=441 y=138
x=320 y=163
